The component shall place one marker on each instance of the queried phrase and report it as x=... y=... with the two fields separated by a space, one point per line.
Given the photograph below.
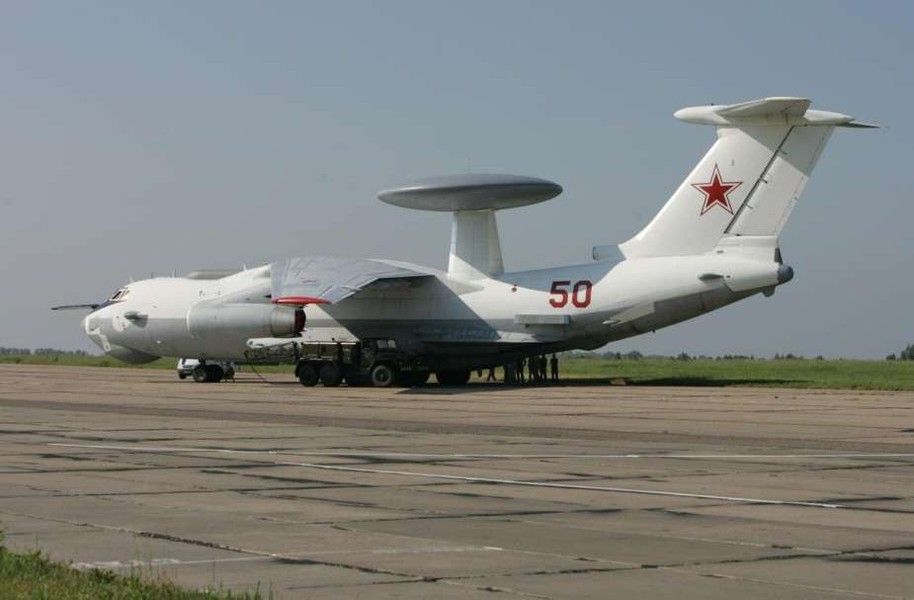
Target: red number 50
x=580 y=295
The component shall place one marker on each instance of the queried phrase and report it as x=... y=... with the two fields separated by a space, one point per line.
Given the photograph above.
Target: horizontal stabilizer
x=766 y=111
x=785 y=107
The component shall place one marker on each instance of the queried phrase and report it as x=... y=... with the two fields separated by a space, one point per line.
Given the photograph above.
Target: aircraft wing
x=328 y=280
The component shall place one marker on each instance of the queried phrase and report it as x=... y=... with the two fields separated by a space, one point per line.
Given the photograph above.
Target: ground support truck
x=376 y=362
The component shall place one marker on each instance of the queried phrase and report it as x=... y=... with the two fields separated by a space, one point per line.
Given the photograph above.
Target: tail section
x=747 y=183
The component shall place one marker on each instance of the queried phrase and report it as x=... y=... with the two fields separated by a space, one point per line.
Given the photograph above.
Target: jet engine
x=213 y=321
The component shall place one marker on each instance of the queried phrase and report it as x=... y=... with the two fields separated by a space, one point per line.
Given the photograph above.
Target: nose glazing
x=91 y=325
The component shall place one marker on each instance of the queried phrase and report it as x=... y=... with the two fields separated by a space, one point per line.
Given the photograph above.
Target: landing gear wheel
x=331 y=375
x=452 y=377
x=307 y=375
x=215 y=373
x=382 y=376
x=201 y=374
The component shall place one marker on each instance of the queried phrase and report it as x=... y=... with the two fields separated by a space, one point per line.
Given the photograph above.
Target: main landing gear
x=211 y=373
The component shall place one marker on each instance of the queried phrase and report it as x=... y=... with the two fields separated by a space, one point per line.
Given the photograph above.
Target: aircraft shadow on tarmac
x=478 y=387
x=709 y=382
x=602 y=382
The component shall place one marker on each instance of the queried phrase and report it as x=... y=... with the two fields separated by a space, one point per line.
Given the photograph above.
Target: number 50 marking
x=580 y=295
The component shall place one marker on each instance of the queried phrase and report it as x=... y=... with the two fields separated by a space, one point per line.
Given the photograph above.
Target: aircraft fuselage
x=451 y=323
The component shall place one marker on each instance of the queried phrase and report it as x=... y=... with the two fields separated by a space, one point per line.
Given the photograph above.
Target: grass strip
x=31 y=575
x=783 y=373
x=746 y=372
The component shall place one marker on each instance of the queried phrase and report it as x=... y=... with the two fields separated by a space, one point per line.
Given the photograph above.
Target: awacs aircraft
x=714 y=242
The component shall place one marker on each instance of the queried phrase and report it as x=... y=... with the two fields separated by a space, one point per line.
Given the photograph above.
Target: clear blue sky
x=140 y=137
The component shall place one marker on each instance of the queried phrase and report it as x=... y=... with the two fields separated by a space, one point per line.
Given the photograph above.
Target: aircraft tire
x=383 y=375
x=452 y=377
x=201 y=374
x=215 y=373
x=331 y=375
x=307 y=375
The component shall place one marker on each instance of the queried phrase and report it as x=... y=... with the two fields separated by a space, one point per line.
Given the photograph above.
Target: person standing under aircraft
x=554 y=367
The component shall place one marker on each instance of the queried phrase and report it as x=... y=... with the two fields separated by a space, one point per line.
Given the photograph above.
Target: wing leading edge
x=328 y=280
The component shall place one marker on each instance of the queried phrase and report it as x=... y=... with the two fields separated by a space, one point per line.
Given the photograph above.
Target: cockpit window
x=119 y=295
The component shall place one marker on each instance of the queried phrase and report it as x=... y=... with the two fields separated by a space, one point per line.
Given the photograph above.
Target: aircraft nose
x=92 y=322
x=101 y=335
x=91 y=325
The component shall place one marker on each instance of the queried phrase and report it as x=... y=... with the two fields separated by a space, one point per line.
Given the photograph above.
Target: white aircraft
x=714 y=242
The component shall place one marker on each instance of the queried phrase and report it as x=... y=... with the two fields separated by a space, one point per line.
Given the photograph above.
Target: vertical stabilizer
x=769 y=205
x=747 y=183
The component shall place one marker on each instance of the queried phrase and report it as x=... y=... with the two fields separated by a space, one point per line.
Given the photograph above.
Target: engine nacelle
x=244 y=321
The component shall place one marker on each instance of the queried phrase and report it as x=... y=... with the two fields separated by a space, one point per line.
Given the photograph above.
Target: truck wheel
x=382 y=376
x=201 y=374
x=331 y=375
x=452 y=377
x=307 y=374
x=182 y=375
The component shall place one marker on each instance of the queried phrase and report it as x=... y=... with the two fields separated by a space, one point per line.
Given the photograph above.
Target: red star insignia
x=716 y=192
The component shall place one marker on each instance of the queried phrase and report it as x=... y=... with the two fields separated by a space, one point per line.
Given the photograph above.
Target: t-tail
x=743 y=190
